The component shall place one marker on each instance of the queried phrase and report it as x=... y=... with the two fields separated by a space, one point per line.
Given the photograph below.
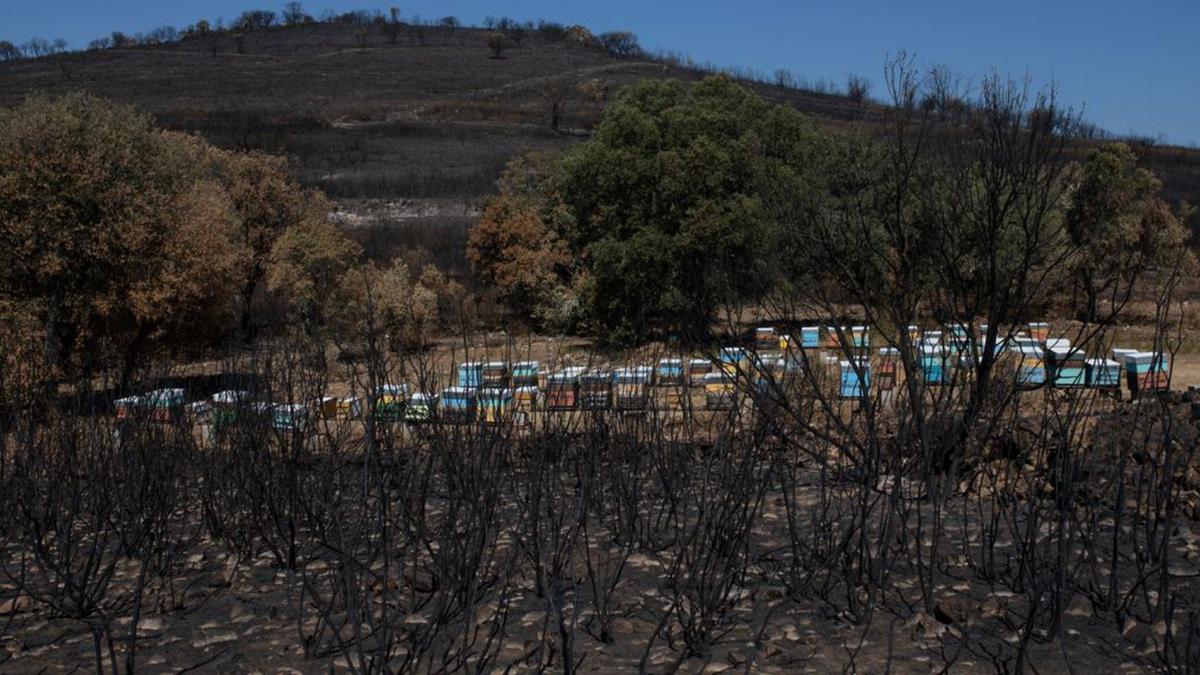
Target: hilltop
x=411 y=125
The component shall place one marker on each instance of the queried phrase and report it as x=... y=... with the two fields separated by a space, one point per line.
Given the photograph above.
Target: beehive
x=292 y=418
x=595 y=390
x=526 y=374
x=327 y=408
x=456 y=405
x=889 y=358
x=199 y=412
x=734 y=360
x=1146 y=372
x=1031 y=372
x=719 y=392
x=495 y=405
x=810 y=337
x=127 y=407
x=495 y=374
x=1104 y=374
x=349 y=407
x=1066 y=365
x=631 y=389
x=420 y=409
x=855 y=378
x=933 y=363
x=165 y=405
x=670 y=372
x=470 y=375
x=960 y=340
x=389 y=402
x=226 y=405
x=562 y=390
x=860 y=337
x=769 y=370
x=1039 y=331
x=765 y=338
x=526 y=398
x=698 y=369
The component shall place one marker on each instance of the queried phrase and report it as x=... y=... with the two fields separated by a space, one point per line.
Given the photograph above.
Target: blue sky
x=1133 y=66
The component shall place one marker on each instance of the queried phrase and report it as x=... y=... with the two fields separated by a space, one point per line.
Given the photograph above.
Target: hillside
x=412 y=131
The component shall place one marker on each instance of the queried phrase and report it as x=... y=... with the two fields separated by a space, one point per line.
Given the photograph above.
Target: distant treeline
x=952 y=89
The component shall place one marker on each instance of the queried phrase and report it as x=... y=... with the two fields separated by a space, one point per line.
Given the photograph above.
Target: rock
x=953 y=609
x=223 y=578
x=623 y=626
x=661 y=656
x=15 y=605
x=415 y=620
x=1135 y=631
x=217 y=638
x=240 y=614
x=925 y=627
x=991 y=608
x=153 y=624
x=1080 y=606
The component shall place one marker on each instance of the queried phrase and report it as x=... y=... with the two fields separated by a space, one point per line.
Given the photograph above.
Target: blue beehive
x=1066 y=365
x=734 y=360
x=933 y=364
x=1032 y=370
x=960 y=340
x=1103 y=374
x=526 y=373
x=670 y=372
x=495 y=405
x=470 y=375
x=810 y=337
x=457 y=404
x=1146 y=371
x=855 y=379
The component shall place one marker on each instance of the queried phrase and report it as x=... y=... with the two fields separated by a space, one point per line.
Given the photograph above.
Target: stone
x=15 y=605
x=1080 y=606
x=152 y=624
x=217 y=638
x=925 y=627
x=953 y=609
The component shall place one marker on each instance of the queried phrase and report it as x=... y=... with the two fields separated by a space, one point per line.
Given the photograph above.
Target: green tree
x=1120 y=225
x=675 y=204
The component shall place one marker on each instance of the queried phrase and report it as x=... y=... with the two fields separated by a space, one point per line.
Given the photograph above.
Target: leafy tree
x=388 y=301
x=111 y=228
x=307 y=264
x=266 y=204
x=117 y=237
x=670 y=211
x=674 y=204
x=515 y=246
x=1120 y=225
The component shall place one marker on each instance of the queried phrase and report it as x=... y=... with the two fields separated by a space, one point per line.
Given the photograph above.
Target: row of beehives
x=494 y=391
